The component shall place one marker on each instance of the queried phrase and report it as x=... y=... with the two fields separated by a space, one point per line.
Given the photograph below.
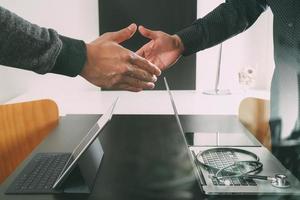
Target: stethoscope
x=255 y=166
x=279 y=180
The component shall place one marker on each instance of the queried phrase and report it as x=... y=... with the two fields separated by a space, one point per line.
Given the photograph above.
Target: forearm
x=227 y=20
x=28 y=46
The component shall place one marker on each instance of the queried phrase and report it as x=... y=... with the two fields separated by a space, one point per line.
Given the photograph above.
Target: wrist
x=86 y=65
x=71 y=58
x=178 y=43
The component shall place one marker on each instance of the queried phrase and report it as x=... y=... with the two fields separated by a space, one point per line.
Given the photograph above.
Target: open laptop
x=64 y=172
x=271 y=167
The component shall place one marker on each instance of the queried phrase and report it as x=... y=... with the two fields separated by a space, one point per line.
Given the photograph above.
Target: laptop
x=75 y=172
x=237 y=186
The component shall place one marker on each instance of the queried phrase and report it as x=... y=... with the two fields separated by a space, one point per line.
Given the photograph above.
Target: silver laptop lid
x=86 y=142
x=173 y=106
x=191 y=157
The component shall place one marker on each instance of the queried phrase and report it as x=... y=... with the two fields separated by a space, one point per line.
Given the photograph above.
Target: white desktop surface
x=145 y=102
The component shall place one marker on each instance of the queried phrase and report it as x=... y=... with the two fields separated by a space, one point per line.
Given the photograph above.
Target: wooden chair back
x=22 y=127
x=254 y=114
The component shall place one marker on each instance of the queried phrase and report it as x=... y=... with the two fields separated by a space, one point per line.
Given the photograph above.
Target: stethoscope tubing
x=279 y=180
x=258 y=167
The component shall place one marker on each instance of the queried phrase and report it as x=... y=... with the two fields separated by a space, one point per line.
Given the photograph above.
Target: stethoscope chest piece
x=280 y=181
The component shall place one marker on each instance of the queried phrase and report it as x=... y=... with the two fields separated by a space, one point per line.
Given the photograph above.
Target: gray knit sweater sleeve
x=27 y=46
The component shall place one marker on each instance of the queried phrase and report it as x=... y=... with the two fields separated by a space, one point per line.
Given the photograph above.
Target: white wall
x=79 y=19
x=252 y=48
x=73 y=18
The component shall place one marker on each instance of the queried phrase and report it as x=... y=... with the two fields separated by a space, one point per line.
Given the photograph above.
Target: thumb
x=148 y=33
x=124 y=34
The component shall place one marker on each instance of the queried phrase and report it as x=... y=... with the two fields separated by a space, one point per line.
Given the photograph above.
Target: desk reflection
x=145 y=157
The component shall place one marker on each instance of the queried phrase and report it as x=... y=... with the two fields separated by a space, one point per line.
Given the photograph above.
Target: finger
x=140 y=74
x=141 y=52
x=136 y=83
x=128 y=88
x=124 y=34
x=145 y=65
x=148 y=33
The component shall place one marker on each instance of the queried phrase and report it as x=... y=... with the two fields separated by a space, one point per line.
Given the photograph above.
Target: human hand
x=163 y=50
x=109 y=65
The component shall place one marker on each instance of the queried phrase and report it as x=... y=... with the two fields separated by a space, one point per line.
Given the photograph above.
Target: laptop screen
x=174 y=107
x=190 y=156
x=85 y=143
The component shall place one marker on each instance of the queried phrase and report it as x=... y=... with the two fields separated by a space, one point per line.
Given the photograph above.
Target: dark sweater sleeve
x=225 y=21
x=27 y=46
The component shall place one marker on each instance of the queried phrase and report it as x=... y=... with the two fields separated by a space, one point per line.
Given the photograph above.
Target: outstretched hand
x=163 y=50
x=109 y=65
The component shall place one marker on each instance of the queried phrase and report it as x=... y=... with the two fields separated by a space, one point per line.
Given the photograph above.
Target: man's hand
x=109 y=65
x=163 y=50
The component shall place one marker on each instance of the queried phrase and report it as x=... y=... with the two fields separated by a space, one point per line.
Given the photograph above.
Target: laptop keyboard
x=220 y=159
x=40 y=174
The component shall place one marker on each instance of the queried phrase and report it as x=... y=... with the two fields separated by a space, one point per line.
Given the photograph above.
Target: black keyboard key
x=221 y=159
x=243 y=181
x=235 y=181
x=251 y=182
x=215 y=181
x=221 y=183
x=40 y=174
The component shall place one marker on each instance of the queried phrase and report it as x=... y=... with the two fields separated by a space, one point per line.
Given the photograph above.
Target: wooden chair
x=22 y=127
x=254 y=114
